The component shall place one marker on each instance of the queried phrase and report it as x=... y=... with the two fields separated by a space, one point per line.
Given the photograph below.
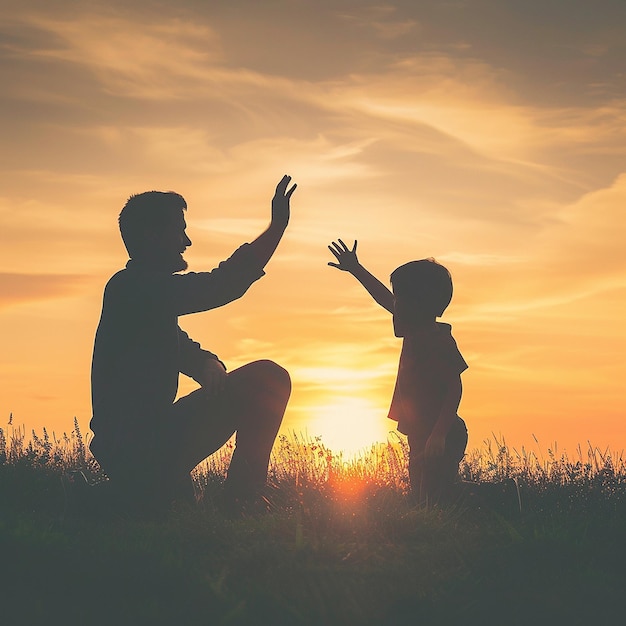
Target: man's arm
x=201 y=365
x=194 y=292
x=436 y=443
x=265 y=244
x=347 y=261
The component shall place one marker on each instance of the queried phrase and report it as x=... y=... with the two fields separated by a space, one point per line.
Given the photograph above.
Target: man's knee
x=271 y=376
x=278 y=375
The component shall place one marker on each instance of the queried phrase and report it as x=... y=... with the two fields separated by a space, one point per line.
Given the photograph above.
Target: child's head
x=422 y=291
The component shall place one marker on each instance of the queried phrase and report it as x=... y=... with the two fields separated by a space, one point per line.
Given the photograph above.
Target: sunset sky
x=488 y=134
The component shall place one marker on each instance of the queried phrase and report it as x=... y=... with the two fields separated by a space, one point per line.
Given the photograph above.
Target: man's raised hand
x=280 y=202
x=347 y=260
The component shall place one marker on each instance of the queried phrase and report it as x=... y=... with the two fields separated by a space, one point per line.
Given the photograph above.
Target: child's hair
x=425 y=281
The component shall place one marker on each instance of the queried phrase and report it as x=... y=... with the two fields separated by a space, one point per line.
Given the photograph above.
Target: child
x=428 y=387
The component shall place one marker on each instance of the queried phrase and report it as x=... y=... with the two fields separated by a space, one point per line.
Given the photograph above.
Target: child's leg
x=432 y=480
x=417 y=466
x=444 y=474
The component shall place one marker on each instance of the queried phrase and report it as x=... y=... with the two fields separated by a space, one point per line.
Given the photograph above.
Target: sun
x=349 y=425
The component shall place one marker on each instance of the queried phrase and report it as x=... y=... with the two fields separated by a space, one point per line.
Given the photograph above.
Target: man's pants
x=156 y=466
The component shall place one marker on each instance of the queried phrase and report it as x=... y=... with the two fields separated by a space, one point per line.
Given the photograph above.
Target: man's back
x=135 y=362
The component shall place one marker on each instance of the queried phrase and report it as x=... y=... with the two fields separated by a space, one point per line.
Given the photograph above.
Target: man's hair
x=425 y=281
x=148 y=211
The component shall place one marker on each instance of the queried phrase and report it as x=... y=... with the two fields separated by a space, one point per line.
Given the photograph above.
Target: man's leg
x=141 y=478
x=259 y=393
x=252 y=405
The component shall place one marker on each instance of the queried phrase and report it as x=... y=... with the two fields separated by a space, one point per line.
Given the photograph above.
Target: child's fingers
x=336 y=250
x=345 y=247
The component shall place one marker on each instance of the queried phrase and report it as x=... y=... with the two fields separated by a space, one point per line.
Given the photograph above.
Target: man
x=146 y=442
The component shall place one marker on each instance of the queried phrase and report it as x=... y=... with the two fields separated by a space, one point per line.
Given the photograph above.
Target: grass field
x=342 y=544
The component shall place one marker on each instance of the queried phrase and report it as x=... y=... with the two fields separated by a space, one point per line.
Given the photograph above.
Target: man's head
x=153 y=226
x=422 y=291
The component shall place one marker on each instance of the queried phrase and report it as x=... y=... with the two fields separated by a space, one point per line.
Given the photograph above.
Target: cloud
x=24 y=288
x=576 y=259
x=589 y=235
x=443 y=135
x=460 y=110
x=420 y=129
x=139 y=60
x=381 y=20
x=62 y=225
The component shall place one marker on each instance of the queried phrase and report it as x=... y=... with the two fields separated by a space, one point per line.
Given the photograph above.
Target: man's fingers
x=282 y=185
x=290 y=191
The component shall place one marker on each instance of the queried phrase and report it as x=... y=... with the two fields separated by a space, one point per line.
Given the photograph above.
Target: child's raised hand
x=347 y=260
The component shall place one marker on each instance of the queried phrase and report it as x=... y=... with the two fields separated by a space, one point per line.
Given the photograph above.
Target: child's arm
x=436 y=443
x=347 y=261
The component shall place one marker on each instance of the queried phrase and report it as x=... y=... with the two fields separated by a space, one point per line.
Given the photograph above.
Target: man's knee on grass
x=265 y=375
x=261 y=387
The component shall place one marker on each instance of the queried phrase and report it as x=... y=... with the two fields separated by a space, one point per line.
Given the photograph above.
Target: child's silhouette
x=428 y=387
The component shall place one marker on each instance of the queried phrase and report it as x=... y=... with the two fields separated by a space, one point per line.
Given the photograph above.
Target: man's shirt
x=139 y=348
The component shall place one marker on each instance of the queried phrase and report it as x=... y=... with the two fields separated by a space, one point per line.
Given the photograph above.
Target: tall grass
x=64 y=453
x=343 y=545
x=300 y=462
x=496 y=461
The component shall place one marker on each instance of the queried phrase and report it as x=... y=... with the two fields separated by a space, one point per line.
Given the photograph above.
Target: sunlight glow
x=410 y=130
x=349 y=425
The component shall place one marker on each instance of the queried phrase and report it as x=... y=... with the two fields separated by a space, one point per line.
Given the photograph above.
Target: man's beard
x=178 y=264
x=171 y=262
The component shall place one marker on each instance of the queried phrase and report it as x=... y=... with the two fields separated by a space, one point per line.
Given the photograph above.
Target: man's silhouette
x=145 y=441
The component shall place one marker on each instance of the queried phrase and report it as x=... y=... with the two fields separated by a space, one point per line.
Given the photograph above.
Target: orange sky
x=488 y=134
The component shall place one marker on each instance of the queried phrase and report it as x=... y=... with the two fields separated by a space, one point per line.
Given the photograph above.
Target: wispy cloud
x=381 y=20
x=411 y=127
x=18 y=289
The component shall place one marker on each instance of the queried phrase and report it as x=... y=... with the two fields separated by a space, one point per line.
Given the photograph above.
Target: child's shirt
x=428 y=359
